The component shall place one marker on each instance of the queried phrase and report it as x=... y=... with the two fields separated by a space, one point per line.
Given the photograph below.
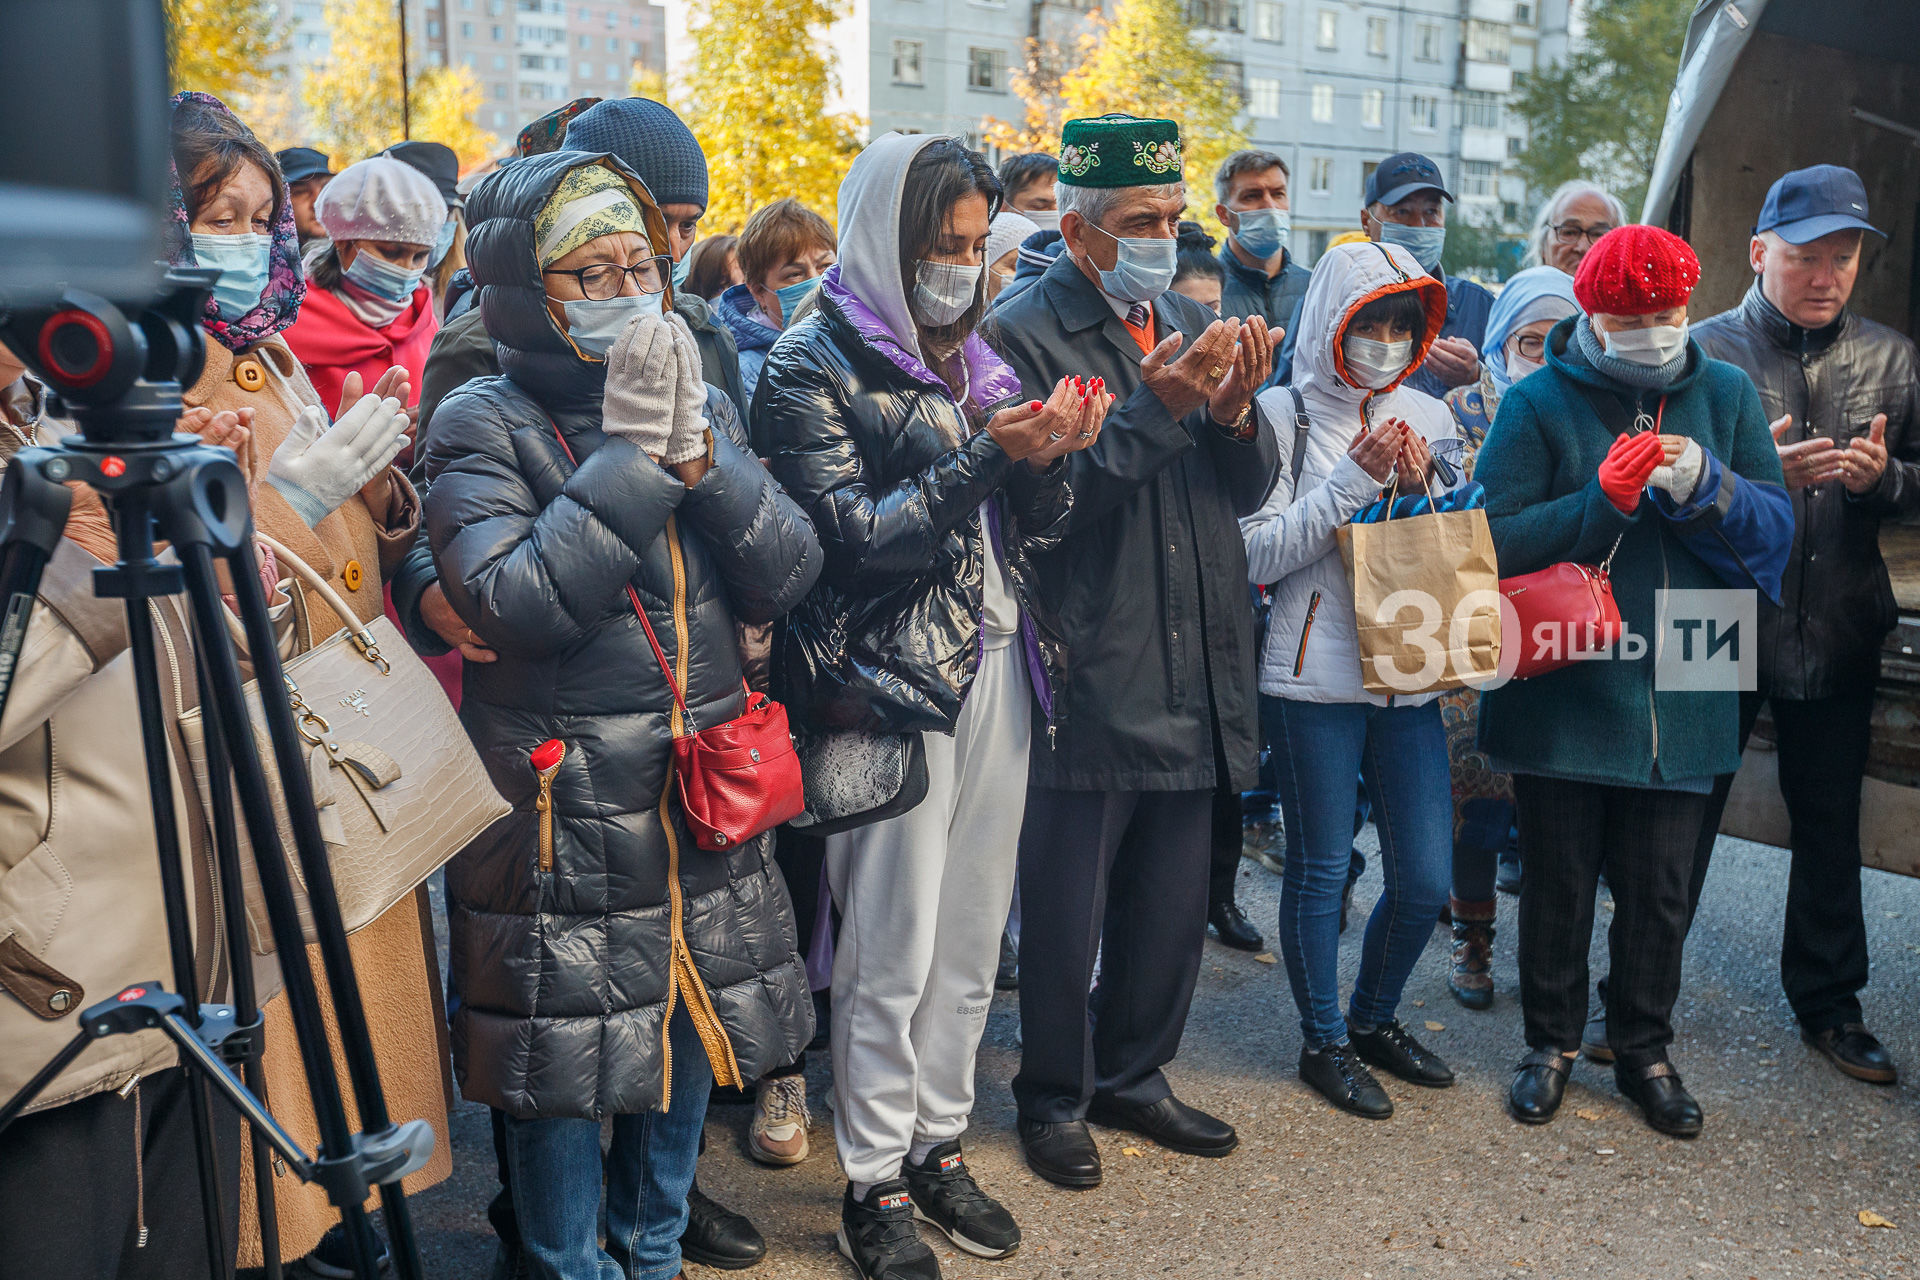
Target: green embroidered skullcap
x=1120 y=151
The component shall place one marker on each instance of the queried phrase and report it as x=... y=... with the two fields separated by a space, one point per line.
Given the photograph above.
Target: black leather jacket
x=567 y=951
x=889 y=639
x=1836 y=601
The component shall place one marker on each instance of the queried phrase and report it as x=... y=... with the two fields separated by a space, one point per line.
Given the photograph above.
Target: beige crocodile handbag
x=398 y=785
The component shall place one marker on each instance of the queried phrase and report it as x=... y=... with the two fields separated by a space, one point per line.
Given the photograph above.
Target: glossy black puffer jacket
x=567 y=948
x=889 y=639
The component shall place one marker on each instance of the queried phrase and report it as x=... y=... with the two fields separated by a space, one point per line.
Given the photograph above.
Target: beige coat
x=354 y=548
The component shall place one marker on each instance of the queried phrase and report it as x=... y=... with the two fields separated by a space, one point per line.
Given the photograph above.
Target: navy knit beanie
x=653 y=142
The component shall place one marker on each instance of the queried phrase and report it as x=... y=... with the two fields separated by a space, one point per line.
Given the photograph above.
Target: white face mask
x=1650 y=347
x=943 y=291
x=594 y=324
x=1045 y=219
x=1373 y=364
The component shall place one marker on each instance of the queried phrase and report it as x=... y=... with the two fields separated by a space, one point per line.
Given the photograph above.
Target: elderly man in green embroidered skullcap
x=1157 y=705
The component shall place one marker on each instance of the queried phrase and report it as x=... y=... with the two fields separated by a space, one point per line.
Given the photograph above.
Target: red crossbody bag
x=736 y=779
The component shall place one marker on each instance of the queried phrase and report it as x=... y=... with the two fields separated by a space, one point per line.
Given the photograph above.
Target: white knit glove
x=318 y=467
x=1682 y=476
x=689 y=439
x=641 y=374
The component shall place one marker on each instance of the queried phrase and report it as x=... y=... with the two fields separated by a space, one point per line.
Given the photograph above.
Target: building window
x=1423 y=113
x=613 y=43
x=1269 y=20
x=1373 y=107
x=1233 y=78
x=1515 y=145
x=499 y=119
x=435 y=58
x=499 y=90
x=1426 y=42
x=1320 y=175
x=1480 y=110
x=1377 y=37
x=1323 y=104
x=433 y=29
x=987 y=70
x=499 y=62
x=1216 y=15
x=1479 y=178
x=908 y=67
x=1329 y=30
x=1488 y=41
x=497 y=34
x=466 y=31
x=1366 y=176
x=468 y=60
x=1263 y=97
x=1523 y=13
x=633 y=48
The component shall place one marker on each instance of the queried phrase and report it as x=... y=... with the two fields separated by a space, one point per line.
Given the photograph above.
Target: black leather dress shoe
x=1171 y=1123
x=1539 y=1083
x=1391 y=1049
x=1854 y=1050
x=718 y=1237
x=1062 y=1152
x=1662 y=1098
x=1336 y=1071
x=1233 y=927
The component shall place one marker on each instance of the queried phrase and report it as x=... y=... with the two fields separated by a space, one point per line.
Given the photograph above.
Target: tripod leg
x=246 y=1010
x=146 y=683
x=229 y=704
x=349 y=1013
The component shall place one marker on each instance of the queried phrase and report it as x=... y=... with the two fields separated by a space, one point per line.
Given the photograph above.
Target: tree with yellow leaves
x=223 y=47
x=755 y=93
x=1144 y=61
x=353 y=97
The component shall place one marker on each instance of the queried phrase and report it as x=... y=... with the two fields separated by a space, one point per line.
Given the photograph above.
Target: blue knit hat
x=651 y=140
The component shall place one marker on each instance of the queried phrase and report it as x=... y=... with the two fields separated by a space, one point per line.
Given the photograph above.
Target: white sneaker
x=778 y=1135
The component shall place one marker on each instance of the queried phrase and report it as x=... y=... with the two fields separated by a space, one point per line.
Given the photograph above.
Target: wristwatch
x=1241 y=427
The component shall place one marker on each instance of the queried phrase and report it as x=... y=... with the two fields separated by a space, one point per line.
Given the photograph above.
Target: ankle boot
x=1472 y=978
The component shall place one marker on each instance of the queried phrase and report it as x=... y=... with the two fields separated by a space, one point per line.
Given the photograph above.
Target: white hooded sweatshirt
x=1312 y=652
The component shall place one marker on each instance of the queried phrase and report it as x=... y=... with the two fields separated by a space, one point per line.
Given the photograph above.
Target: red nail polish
x=1034 y=405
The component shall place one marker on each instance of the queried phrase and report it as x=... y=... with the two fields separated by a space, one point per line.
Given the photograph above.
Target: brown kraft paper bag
x=1426 y=601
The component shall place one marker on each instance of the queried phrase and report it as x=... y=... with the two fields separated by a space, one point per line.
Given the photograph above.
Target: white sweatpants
x=922 y=900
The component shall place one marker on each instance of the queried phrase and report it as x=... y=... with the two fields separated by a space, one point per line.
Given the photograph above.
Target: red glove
x=1624 y=472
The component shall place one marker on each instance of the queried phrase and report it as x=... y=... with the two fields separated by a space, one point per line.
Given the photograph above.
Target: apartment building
x=528 y=56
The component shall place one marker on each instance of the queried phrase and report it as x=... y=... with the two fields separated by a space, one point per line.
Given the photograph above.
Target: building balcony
x=1483 y=144
x=1490 y=10
x=1488 y=77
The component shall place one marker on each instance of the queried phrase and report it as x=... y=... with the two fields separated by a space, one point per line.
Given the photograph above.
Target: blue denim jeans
x=1402 y=752
x=557 y=1175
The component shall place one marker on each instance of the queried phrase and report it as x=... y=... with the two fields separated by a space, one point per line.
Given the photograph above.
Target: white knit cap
x=1006 y=232
x=381 y=199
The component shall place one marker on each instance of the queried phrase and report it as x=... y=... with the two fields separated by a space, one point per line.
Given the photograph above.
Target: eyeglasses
x=1570 y=232
x=604 y=280
x=1530 y=346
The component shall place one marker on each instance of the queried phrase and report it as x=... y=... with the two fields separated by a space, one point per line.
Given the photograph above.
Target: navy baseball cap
x=1809 y=203
x=303 y=162
x=437 y=161
x=1399 y=176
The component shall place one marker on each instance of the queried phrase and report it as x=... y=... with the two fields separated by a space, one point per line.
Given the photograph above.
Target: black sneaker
x=878 y=1238
x=333 y=1257
x=946 y=1196
x=1390 y=1048
x=1336 y=1071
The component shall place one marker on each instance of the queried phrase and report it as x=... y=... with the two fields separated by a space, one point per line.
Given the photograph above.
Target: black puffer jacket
x=1836 y=602
x=890 y=637
x=565 y=965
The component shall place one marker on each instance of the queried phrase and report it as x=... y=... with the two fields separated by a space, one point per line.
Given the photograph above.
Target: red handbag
x=736 y=779
x=1565 y=612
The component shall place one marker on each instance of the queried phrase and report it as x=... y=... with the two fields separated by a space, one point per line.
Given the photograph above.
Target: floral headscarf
x=286 y=282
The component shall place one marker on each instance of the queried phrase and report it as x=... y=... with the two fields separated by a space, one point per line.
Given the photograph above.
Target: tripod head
x=119 y=374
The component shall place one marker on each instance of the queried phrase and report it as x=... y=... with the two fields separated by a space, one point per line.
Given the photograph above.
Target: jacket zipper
x=683 y=977
x=1306 y=629
x=131 y=1091
x=1653 y=715
x=543 y=805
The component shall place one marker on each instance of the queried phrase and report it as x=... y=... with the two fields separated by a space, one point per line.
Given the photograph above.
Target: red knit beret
x=1636 y=270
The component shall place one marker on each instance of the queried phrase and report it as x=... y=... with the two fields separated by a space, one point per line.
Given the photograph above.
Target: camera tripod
x=121 y=377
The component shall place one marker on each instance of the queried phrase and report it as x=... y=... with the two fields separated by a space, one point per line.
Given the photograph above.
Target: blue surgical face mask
x=792 y=295
x=1144 y=269
x=1424 y=243
x=594 y=324
x=442 y=243
x=1263 y=232
x=680 y=269
x=243 y=263
x=381 y=278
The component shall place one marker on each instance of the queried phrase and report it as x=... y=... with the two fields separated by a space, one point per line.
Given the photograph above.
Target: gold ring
x=1215 y=372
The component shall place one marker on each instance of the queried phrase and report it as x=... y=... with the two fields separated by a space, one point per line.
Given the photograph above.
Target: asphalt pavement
x=1792 y=1156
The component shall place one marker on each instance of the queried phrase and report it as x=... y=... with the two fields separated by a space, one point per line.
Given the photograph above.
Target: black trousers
x=1823 y=759
x=71 y=1205
x=1224 y=859
x=1122 y=875
x=1645 y=841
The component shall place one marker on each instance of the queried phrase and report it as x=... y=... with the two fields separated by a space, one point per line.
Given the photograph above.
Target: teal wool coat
x=1603 y=721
